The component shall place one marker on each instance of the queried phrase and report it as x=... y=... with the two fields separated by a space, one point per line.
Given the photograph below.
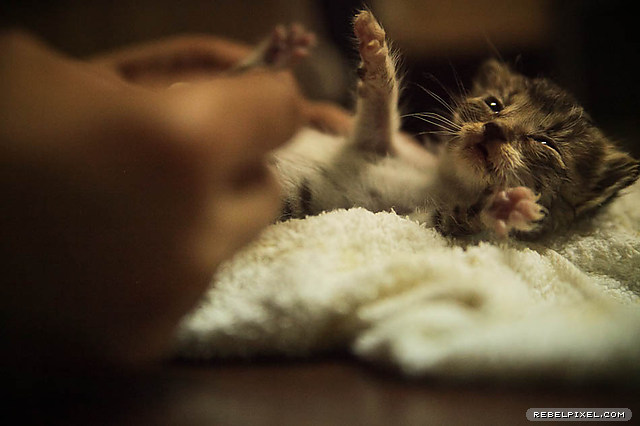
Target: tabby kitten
x=520 y=157
x=513 y=131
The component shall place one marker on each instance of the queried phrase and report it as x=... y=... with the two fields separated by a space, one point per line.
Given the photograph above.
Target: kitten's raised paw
x=372 y=47
x=287 y=45
x=513 y=209
x=371 y=38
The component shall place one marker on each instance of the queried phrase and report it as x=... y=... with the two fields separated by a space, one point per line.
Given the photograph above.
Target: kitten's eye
x=494 y=104
x=546 y=141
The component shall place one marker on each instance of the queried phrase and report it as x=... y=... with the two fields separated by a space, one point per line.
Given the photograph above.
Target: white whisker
x=440 y=125
x=437 y=97
x=435 y=119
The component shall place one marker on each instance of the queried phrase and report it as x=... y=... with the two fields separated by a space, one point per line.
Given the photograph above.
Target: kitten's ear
x=492 y=74
x=619 y=171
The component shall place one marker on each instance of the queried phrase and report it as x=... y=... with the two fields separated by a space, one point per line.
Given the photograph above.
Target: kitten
x=520 y=156
x=512 y=131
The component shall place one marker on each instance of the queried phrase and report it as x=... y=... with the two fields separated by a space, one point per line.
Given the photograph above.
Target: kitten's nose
x=494 y=131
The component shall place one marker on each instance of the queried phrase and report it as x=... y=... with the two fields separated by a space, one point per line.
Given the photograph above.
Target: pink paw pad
x=513 y=208
x=371 y=39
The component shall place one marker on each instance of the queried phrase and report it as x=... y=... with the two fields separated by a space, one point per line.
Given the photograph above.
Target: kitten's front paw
x=373 y=49
x=512 y=209
x=287 y=45
x=371 y=38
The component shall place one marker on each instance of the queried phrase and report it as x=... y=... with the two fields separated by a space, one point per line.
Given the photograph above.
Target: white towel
x=397 y=294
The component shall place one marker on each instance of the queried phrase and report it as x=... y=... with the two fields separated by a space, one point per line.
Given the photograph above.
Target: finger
x=238 y=119
x=178 y=85
x=261 y=111
x=163 y=60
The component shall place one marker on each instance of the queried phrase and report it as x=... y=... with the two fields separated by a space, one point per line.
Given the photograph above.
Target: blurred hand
x=120 y=201
x=163 y=62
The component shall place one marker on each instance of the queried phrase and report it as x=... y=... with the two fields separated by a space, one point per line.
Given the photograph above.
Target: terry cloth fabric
x=400 y=295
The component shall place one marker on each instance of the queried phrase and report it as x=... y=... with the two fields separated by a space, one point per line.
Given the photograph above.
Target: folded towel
x=400 y=295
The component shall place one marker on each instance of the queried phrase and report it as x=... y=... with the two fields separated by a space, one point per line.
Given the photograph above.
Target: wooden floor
x=331 y=391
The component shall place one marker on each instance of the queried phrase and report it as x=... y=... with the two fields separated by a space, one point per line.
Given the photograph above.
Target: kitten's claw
x=371 y=38
x=513 y=209
x=374 y=52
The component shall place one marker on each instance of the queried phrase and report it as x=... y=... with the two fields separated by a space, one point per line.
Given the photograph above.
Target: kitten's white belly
x=338 y=176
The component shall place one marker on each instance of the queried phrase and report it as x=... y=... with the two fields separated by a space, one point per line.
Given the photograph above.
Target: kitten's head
x=516 y=131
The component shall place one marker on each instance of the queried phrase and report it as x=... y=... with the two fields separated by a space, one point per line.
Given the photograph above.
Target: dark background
x=588 y=47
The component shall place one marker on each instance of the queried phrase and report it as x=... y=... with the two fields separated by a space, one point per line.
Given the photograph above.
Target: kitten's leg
x=512 y=209
x=377 y=117
x=285 y=46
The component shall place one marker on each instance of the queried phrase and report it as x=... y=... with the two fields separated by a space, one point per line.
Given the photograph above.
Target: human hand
x=197 y=58
x=161 y=63
x=121 y=201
